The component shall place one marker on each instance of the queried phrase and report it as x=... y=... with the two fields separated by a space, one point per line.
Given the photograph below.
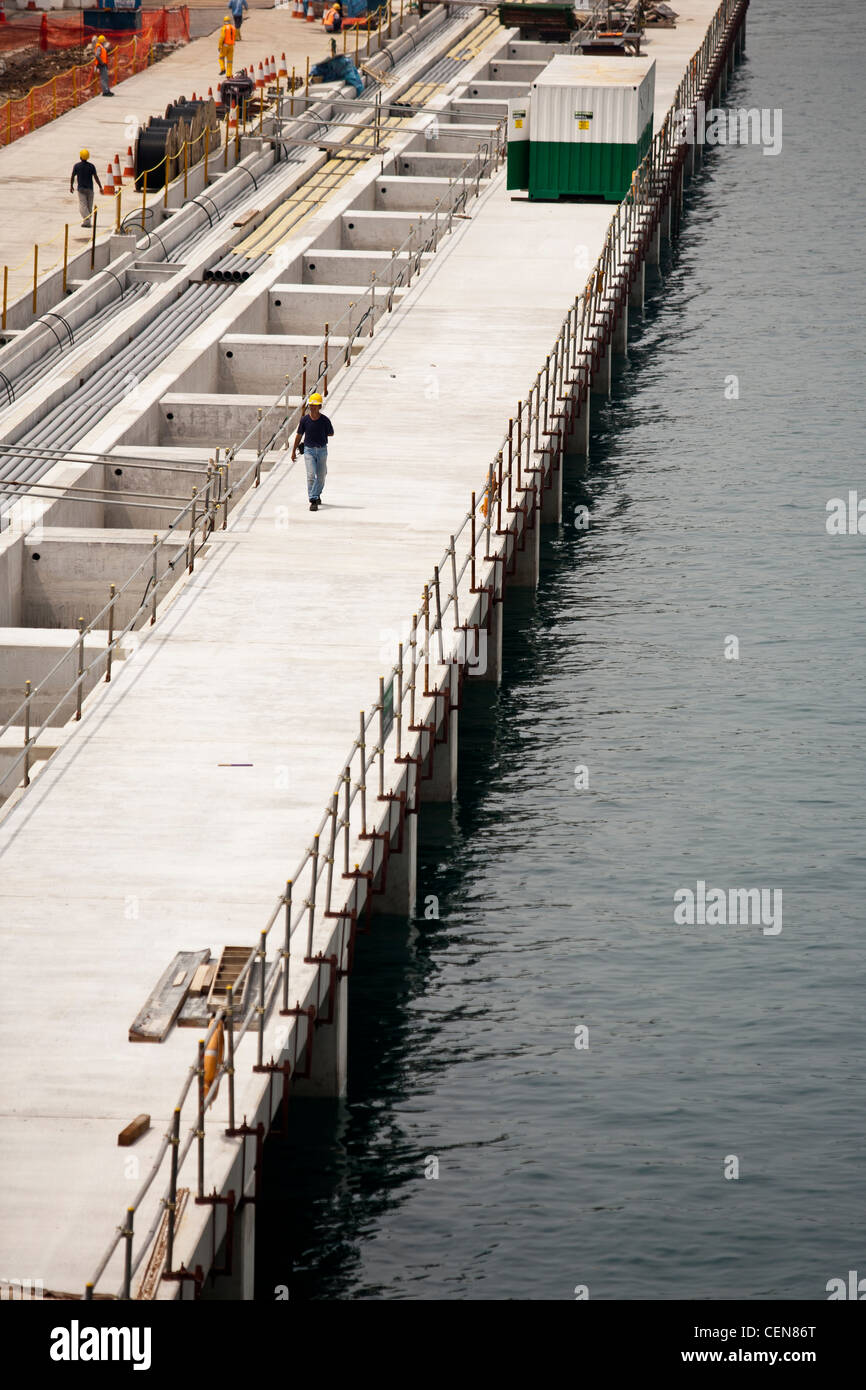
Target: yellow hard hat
x=101 y=39
x=85 y=154
x=315 y=399
x=227 y=19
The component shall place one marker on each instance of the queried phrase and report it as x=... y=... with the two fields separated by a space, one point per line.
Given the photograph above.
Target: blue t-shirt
x=315 y=432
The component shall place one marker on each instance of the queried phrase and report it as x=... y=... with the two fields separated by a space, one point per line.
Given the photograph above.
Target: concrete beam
x=306 y=309
x=329 y=1070
x=551 y=496
x=653 y=253
x=619 y=339
x=516 y=70
x=210 y=419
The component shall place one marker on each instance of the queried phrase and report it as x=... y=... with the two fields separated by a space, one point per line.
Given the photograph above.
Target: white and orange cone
x=108 y=186
x=129 y=167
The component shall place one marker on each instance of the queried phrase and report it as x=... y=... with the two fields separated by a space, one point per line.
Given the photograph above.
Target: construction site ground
x=35 y=170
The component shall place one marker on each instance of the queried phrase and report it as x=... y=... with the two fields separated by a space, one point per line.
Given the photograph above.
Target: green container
x=561 y=169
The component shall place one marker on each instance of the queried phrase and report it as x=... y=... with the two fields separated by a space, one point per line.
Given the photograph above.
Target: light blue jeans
x=317 y=471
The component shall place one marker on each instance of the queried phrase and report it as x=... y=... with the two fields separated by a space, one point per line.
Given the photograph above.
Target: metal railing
x=482 y=544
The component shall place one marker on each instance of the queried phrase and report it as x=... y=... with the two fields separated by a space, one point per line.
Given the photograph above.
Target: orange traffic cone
x=273 y=72
x=284 y=71
x=129 y=167
x=108 y=186
x=233 y=116
x=260 y=80
x=298 y=11
x=309 y=16
x=210 y=96
x=118 y=177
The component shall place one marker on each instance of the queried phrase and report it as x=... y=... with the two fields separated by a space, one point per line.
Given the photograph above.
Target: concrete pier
x=244 y=739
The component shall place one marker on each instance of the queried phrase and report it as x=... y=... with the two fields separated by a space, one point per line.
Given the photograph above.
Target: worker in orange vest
x=332 y=19
x=100 y=63
x=227 y=37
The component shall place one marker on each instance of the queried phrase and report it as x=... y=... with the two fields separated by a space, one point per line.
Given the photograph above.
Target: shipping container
x=591 y=125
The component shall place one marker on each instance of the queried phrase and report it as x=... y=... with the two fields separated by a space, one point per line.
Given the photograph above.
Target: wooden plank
x=203 y=978
x=134 y=1130
x=164 y=1004
x=196 y=1014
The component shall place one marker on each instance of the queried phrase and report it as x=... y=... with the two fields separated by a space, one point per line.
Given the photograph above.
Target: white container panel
x=593 y=100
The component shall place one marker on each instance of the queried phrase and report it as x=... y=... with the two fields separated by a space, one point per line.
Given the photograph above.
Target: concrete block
x=67 y=573
x=405 y=193
x=31 y=653
x=253 y=363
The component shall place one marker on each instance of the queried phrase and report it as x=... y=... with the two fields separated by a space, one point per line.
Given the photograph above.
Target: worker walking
x=85 y=173
x=237 y=8
x=100 y=63
x=315 y=429
x=227 y=36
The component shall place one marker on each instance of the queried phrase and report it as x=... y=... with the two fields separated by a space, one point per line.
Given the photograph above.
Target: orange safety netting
x=20 y=115
x=50 y=32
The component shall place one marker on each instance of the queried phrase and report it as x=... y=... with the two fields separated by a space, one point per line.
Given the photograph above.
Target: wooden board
x=164 y=1004
x=134 y=1130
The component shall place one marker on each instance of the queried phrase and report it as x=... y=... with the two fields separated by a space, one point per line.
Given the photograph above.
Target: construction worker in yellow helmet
x=84 y=174
x=100 y=63
x=227 y=37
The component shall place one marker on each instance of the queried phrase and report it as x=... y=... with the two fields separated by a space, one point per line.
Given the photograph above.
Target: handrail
x=569 y=364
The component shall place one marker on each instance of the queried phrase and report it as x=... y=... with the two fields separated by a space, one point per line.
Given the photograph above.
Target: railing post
x=362 y=785
x=454 y=581
x=381 y=736
x=335 y=809
x=190 y=558
x=260 y=1008
x=127 y=1254
x=112 y=591
x=436 y=590
x=155 y=579
x=230 y=1069
x=80 y=683
x=325 y=384
x=287 y=941
x=311 y=901
x=174 y=1141
x=398 y=700
x=347 y=807
x=28 y=688
x=199 y=1132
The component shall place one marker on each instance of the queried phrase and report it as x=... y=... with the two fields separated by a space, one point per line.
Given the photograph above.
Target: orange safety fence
x=20 y=115
x=50 y=32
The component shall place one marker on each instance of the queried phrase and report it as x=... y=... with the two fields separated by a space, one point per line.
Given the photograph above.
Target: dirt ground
x=23 y=68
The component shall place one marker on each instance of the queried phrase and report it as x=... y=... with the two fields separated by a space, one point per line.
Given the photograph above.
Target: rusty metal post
x=260 y=1007
x=287 y=941
x=127 y=1254
x=327 y=335
x=199 y=1132
x=80 y=683
x=28 y=689
x=381 y=749
x=311 y=901
x=230 y=1069
x=398 y=700
x=171 y=1205
x=155 y=579
x=362 y=785
x=347 y=796
x=332 y=848
x=112 y=591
